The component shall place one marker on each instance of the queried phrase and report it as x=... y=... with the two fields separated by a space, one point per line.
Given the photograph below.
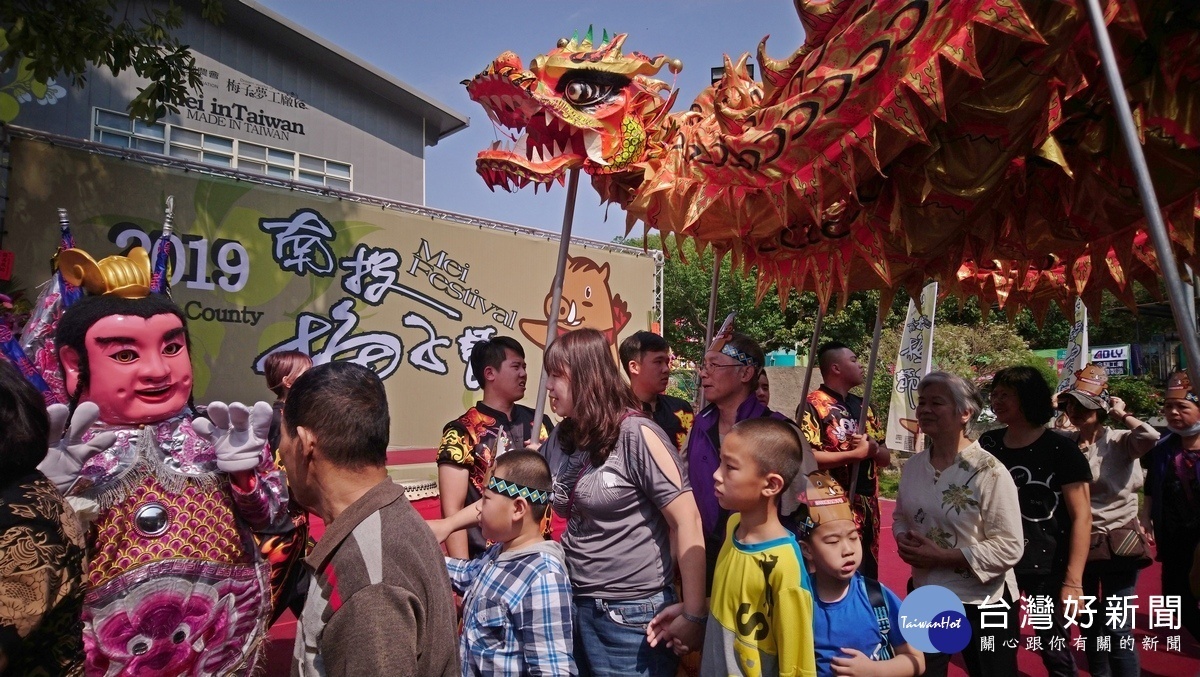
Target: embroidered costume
x=475 y=439
x=175 y=578
x=828 y=422
x=176 y=583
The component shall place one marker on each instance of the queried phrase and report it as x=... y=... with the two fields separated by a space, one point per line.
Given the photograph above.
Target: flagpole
x=866 y=405
x=712 y=317
x=564 y=244
x=1185 y=323
x=808 y=368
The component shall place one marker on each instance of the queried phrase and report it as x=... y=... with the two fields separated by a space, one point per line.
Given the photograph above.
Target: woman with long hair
x=957 y=523
x=1116 y=477
x=1052 y=478
x=630 y=516
x=281 y=370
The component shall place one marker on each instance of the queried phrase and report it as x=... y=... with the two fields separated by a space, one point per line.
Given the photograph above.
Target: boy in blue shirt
x=848 y=633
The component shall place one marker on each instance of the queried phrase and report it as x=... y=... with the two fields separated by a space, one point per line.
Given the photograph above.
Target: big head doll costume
x=176 y=584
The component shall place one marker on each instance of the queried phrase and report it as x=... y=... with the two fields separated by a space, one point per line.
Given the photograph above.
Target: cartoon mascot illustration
x=586 y=301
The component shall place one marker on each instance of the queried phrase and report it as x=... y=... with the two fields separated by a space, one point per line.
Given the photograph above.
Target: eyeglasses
x=709 y=365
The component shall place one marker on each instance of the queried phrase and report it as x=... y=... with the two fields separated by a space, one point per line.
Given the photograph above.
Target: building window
x=118 y=129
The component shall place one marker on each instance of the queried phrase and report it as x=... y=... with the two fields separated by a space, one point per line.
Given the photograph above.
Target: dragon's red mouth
x=541 y=155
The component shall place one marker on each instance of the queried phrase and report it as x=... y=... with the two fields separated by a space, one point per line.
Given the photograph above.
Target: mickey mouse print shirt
x=1040 y=470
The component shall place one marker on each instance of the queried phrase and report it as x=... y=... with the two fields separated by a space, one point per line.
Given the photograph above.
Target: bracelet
x=1073 y=587
x=698 y=620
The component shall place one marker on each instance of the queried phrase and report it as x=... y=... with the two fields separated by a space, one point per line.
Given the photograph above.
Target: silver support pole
x=866 y=405
x=712 y=318
x=564 y=244
x=808 y=368
x=1185 y=321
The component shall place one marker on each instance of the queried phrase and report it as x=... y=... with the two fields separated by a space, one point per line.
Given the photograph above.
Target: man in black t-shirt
x=646 y=359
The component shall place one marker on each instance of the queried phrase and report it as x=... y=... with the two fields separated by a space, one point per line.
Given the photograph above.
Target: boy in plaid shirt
x=517 y=611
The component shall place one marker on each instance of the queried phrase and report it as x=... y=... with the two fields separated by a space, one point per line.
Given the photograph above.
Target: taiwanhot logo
x=933 y=620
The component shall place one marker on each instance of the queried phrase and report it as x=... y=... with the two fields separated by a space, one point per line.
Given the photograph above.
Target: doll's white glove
x=67 y=451
x=237 y=434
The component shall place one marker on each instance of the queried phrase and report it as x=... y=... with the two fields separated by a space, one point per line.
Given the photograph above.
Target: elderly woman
x=1113 y=456
x=1174 y=494
x=957 y=523
x=1052 y=478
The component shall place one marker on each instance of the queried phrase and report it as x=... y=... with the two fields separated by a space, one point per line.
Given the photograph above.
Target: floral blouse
x=971 y=506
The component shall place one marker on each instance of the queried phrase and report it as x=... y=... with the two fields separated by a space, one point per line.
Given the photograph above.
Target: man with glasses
x=728 y=377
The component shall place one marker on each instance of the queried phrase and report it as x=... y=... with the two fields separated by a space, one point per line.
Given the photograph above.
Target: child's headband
x=514 y=490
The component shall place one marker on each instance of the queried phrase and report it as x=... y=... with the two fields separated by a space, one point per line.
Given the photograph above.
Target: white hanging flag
x=1077 y=349
x=914 y=361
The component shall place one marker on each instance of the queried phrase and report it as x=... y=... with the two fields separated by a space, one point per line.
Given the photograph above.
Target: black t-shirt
x=674 y=416
x=1040 y=470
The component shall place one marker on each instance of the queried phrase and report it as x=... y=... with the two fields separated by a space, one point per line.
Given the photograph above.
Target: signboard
x=1114 y=359
x=258 y=269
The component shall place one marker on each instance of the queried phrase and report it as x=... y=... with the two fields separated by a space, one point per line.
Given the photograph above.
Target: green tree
x=687 y=282
x=45 y=39
x=974 y=352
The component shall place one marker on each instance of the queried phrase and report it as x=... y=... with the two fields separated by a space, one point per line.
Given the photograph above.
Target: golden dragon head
x=582 y=105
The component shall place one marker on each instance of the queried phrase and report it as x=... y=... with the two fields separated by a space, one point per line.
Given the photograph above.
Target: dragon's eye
x=582 y=93
x=590 y=88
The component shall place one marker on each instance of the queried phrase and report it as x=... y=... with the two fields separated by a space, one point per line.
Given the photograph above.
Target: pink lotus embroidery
x=179 y=628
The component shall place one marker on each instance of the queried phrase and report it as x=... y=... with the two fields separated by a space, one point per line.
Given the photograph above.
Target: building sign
x=232 y=101
x=1115 y=359
x=258 y=269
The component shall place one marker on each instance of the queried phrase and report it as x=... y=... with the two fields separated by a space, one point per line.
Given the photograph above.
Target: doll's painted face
x=139 y=367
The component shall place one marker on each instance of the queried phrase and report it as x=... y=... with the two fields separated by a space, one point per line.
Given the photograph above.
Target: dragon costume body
x=902 y=140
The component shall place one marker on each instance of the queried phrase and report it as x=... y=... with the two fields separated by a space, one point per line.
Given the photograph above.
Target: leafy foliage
x=1142 y=396
x=50 y=38
x=972 y=352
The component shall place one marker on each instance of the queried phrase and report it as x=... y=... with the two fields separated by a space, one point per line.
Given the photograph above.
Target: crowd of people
x=636 y=536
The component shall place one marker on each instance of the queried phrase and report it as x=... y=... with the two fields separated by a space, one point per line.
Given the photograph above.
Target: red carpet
x=895 y=574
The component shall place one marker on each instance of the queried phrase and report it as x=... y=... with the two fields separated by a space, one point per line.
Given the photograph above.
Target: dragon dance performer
x=175 y=582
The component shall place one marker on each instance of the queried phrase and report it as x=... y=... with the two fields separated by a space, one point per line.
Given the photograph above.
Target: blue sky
x=433 y=46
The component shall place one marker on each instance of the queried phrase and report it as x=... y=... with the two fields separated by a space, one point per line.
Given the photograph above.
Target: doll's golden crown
x=125 y=276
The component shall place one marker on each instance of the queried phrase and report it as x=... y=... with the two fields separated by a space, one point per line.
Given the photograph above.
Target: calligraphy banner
x=914 y=361
x=1077 y=349
x=258 y=268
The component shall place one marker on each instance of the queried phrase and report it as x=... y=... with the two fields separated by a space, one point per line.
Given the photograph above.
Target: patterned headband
x=514 y=490
x=730 y=350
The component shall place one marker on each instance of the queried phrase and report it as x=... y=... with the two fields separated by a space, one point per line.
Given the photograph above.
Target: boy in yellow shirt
x=761 y=610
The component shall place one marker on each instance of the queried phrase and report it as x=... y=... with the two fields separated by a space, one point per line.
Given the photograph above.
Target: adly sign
x=1115 y=359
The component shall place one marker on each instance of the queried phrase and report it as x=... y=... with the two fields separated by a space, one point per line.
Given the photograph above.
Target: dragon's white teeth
x=595 y=150
x=549 y=118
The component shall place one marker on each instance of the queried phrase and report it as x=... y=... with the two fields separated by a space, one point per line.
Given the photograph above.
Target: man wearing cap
x=1116 y=476
x=728 y=378
x=829 y=420
x=1174 y=495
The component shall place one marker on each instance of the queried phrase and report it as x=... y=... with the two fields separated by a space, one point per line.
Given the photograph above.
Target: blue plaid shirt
x=517 y=612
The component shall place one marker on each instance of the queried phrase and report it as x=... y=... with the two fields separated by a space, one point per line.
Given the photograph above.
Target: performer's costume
x=176 y=584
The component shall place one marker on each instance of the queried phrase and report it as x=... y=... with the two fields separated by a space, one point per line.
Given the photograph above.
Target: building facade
x=277 y=100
